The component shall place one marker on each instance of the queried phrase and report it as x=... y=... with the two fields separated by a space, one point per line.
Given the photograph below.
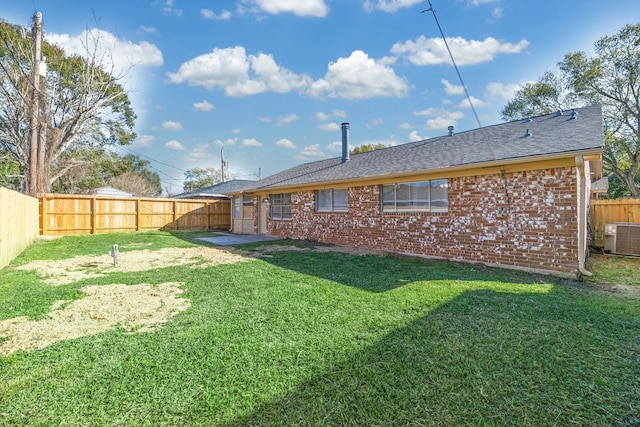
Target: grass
x=305 y=338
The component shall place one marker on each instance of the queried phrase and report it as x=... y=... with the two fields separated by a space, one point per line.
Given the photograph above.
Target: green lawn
x=324 y=338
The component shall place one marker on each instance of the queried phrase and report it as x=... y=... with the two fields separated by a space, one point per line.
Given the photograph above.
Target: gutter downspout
x=582 y=216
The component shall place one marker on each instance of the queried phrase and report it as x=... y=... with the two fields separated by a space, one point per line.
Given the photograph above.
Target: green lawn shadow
x=482 y=358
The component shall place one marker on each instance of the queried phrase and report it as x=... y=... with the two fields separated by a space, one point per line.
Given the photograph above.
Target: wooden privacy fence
x=610 y=211
x=18 y=224
x=62 y=214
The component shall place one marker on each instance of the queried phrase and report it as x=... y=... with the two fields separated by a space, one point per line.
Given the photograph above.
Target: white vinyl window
x=335 y=200
x=419 y=196
x=280 y=206
x=243 y=207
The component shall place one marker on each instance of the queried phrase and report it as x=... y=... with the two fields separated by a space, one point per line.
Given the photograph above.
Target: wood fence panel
x=71 y=214
x=18 y=224
x=605 y=212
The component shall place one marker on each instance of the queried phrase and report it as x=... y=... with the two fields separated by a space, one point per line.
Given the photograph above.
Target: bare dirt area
x=136 y=308
x=66 y=271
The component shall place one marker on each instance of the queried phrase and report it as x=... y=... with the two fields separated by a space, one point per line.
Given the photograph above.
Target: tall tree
x=199 y=178
x=105 y=167
x=82 y=104
x=612 y=78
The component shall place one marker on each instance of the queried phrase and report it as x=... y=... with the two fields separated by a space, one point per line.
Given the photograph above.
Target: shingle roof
x=551 y=134
x=216 y=190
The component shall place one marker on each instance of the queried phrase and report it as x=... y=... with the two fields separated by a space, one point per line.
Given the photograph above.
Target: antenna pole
x=432 y=10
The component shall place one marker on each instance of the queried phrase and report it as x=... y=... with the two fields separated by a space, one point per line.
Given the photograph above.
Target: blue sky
x=270 y=81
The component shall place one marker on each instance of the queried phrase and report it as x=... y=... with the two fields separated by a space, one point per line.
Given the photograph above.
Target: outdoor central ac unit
x=622 y=238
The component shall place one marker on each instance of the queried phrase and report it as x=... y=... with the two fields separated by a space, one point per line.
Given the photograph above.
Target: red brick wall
x=523 y=220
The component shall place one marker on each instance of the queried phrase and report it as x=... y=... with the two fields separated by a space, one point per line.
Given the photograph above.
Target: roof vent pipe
x=450 y=129
x=574 y=114
x=345 y=142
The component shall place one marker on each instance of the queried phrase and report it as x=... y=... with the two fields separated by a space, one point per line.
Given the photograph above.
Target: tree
x=611 y=78
x=367 y=147
x=105 y=167
x=134 y=184
x=9 y=173
x=82 y=105
x=199 y=178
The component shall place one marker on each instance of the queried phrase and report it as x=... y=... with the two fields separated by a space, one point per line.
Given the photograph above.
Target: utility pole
x=224 y=164
x=35 y=104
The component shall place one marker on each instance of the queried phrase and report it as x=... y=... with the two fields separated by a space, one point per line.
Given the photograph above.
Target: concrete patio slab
x=224 y=239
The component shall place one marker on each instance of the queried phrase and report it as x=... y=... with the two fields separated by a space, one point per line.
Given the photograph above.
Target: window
x=243 y=207
x=281 y=206
x=236 y=207
x=420 y=196
x=332 y=200
x=247 y=207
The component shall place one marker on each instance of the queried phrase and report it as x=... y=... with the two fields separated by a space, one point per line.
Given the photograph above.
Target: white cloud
x=200 y=152
x=112 y=53
x=171 y=125
x=230 y=142
x=498 y=90
x=237 y=73
x=433 y=51
x=442 y=119
x=203 y=106
x=359 y=77
x=251 y=142
x=479 y=2
x=225 y=15
x=452 y=89
x=497 y=13
x=373 y=123
x=169 y=9
x=287 y=120
x=389 y=6
x=405 y=126
x=148 y=29
x=415 y=136
x=175 y=145
x=321 y=117
x=329 y=127
x=311 y=151
x=285 y=143
x=316 y=8
x=336 y=146
x=265 y=119
x=143 y=141
x=477 y=103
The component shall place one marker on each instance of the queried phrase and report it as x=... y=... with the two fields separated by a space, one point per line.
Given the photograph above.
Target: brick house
x=514 y=195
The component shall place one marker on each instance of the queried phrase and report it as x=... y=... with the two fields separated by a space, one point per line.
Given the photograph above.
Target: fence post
x=137 y=214
x=92 y=206
x=43 y=215
x=175 y=214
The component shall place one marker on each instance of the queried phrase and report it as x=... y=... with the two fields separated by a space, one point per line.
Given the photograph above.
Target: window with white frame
x=418 y=196
x=335 y=200
x=243 y=207
x=247 y=206
x=280 y=206
x=236 y=207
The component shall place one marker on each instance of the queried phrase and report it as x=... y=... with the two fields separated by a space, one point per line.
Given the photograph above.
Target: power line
x=149 y=158
x=431 y=9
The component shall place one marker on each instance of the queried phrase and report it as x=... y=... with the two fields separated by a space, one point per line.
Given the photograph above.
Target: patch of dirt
x=136 y=308
x=66 y=271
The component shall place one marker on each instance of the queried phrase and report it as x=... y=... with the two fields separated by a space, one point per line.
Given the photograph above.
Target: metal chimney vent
x=345 y=142
x=450 y=129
